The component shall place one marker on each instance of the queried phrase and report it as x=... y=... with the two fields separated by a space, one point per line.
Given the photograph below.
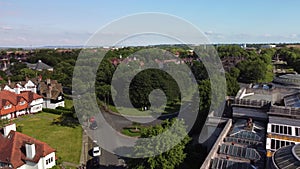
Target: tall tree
x=165 y=160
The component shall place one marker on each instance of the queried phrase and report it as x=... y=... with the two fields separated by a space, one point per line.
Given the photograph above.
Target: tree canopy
x=165 y=160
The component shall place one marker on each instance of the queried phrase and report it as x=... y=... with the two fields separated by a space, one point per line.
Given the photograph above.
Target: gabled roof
x=42 y=66
x=30 y=96
x=56 y=89
x=8 y=96
x=38 y=66
x=13 y=149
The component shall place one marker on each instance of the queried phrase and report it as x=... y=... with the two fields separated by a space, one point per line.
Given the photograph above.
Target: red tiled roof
x=30 y=96
x=8 y=96
x=13 y=149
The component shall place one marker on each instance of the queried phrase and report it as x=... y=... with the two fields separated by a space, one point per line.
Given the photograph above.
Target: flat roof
x=259 y=97
x=284 y=120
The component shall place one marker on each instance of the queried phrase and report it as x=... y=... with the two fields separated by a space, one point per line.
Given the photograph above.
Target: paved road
x=109 y=136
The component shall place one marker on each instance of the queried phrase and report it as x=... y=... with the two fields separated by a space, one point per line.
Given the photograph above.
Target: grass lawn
x=68 y=103
x=136 y=112
x=66 y=140
x=130 y=132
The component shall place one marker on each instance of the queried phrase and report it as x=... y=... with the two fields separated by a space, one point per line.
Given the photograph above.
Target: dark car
x=95 y=161
x=93 y=125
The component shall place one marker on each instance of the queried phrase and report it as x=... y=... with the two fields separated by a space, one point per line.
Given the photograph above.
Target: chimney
x=50 y=91
x=17 y=90
x=30 y=150
x=8 y=128
x=40 y=78
x=48 y=81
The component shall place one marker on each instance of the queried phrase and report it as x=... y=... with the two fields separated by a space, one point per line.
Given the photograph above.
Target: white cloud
x=6 y=28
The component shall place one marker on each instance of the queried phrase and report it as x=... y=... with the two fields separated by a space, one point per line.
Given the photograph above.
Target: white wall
x=41 y=164
x=35 y=102
x=22 y=112
x=49 y=165
x=8 y=116
x=36 y=108
x=48 y=104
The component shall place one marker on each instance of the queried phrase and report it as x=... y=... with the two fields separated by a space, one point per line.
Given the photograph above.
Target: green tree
x=232 y=85
x=252 y=71
x=26 y=72
x=165 y=160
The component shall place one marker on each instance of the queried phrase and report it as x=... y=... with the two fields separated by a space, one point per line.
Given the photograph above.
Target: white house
x=50 y=90
x=23 y=152
x=52 y=93
x=14 y=104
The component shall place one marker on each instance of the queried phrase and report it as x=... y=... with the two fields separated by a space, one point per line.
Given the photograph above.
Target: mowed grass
x=66 y=140
x=68 y=103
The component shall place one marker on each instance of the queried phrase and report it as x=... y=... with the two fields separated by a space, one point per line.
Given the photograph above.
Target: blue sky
x=26 y=23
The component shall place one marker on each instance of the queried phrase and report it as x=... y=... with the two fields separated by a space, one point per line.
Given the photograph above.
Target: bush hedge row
x=63 y=108
x=56 y=111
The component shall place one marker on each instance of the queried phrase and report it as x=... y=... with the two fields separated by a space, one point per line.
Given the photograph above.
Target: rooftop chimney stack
x=48 y=81
x=30 y=150
x=8 y=128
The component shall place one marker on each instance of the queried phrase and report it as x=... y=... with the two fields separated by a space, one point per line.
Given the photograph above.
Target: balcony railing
x=250 y=102
x=285 y=111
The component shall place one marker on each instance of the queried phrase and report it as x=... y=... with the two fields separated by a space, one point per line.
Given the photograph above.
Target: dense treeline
x=291 y=56
x=253 y=66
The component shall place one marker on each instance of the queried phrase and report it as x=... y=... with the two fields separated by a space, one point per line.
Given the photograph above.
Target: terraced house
x=14 y=104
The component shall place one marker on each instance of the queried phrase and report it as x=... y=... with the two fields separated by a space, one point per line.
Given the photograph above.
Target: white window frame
x=8 y=106
x=22 y=103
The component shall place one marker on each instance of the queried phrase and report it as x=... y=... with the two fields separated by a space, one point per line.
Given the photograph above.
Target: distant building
x=23 y=152
x=268 y=46
x=39 y=66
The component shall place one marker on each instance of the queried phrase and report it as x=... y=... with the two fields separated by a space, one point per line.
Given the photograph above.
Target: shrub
x=56 y=111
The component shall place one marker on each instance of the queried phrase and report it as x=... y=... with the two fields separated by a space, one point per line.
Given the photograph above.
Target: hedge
x=56 y=111
x=63 y=108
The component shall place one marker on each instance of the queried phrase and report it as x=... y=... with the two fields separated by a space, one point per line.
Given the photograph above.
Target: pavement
x=109 y=160
x=85 y=148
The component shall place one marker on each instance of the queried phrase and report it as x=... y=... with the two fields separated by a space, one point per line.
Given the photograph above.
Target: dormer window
x=7 y=106
x=22 y=103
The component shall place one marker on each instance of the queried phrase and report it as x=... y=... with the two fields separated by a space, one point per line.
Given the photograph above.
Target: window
x=272 y=128
x=290 y=130
x=49 y=160
x=281 y=130
x=285 y=130
x=277 y=144
x=22 y=103
x=297 y=131
x=272 y=144
x=277 y=129
x=7 y=106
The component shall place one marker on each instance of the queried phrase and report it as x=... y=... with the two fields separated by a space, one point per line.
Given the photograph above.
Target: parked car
x=93 y=125
x=96 y=151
